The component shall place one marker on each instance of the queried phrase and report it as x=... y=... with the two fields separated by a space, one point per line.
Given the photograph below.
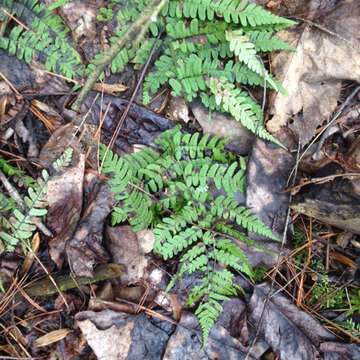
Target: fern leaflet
x=23 y=225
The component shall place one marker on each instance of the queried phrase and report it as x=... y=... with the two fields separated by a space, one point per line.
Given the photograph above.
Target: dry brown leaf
x=312 y=75
x=30 y=256
x=129 y=248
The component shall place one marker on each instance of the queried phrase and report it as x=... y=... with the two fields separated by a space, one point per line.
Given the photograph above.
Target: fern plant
x=207 y=42
x=186 y=193
x=209 y=49
x=22 y=225
x=10 y=170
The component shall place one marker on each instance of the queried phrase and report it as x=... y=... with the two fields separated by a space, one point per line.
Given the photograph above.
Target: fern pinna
x=22 y=224
x=186 y=193
x=46 y=34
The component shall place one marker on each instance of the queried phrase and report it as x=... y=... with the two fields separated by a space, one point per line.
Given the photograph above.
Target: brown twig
x=124 y=114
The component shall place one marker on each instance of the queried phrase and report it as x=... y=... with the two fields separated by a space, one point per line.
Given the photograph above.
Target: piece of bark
x=334 y=203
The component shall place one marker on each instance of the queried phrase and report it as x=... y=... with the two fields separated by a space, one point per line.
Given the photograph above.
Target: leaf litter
x=79 y=204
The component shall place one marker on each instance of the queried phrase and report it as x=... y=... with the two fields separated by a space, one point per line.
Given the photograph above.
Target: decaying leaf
x=64 y=192
x=186 y=343
x=84 y=249
x=312 y=75
x=118 y=336
x=128 y=247
x=28 y=79
x=267 y=173
x=291 y=333
x=338 y=351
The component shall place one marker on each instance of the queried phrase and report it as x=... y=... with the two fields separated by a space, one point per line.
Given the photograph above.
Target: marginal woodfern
x=221 y=40
x=201 y=40
x=186 y=193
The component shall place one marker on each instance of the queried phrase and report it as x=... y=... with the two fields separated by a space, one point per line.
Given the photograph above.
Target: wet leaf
x=267 y=173
x=117 y=336
x=84 y=249
x=186 y=343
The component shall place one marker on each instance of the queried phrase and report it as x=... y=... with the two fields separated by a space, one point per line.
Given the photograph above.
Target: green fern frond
x=198 y=224
x=6 y=204
x=233 y=11
x=138 y=53
x=58 y=3
x=203 y=39
x=246 y=53
x=10 y=170
x=217 y=286
x=266 y=41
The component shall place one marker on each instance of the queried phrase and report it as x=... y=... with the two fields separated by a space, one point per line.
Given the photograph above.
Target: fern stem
x=134 y=34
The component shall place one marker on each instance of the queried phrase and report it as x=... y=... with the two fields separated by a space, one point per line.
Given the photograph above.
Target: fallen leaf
x=339 y=351
x=312 y=75
x=267 y=174
x=28 y=79
x=186 y=343
x=118 y=336
x=84 y=249
x=64 y=192
x=127 y=247
x=291 y=333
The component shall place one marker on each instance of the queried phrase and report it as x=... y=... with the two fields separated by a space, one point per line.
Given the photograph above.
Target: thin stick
x=124 y=114
x=136 y=31
x=326 y=130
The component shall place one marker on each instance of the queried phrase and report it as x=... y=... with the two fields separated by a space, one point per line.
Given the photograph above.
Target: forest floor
x=80 y=288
